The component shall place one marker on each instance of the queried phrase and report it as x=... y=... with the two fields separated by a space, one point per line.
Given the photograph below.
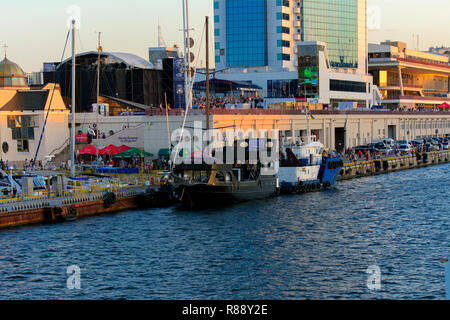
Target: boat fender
x=72 y=211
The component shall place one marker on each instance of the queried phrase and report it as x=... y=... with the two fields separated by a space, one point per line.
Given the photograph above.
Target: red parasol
x=110 y=150
x=90 y=149
x=123 y=149
x=445 y=105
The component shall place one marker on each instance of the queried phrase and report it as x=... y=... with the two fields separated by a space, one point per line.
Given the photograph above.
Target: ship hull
x=305 y=179
x=202 y=195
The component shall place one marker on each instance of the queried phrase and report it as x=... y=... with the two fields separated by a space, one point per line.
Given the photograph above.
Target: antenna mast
x=72 y=131
x=98 y=95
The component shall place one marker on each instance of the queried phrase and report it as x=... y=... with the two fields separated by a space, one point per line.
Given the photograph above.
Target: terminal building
x=23 y=113
x=409 y=79
x=263 y=42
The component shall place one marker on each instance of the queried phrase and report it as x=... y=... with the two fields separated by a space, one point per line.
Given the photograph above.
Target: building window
x=22 y=130
x=246 y=33
x=217 y=32
x=284 y=3
x=5 y=147
x=334 y=22
x=284 y=57
x=283 y=16
x=282 y=88
x=216 y=19
x=23 y=146
x=217 y=59
x=284 y=43
x=347 y=86
x=283 y=30
x=216 y=5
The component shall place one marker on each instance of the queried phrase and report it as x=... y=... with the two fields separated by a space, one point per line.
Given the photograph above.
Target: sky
x=35 y=31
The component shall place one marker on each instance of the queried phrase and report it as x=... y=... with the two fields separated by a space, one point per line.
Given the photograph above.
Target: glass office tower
x=334 y=22
x=246 y=33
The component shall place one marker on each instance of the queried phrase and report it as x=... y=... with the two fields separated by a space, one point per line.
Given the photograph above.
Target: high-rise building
x=258 y=40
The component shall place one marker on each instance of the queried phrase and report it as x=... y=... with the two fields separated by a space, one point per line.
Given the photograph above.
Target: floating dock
x=58 y=205
x=387 y=165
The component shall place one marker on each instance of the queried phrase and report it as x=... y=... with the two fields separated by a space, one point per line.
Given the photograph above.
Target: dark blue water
x=313 y=246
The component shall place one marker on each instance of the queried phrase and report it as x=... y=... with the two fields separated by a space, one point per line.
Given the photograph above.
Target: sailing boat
x=237 y=180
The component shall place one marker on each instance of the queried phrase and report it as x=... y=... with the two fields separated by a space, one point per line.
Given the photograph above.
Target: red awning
x=445 y=105
x=110 y=150
x=123 y=148
x=90 y=149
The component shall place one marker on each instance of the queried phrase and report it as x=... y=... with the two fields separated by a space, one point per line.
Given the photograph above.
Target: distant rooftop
x=129 y=59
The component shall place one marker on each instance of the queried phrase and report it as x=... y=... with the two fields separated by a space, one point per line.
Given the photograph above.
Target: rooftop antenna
x=98 y=94
x=4 y=48
x=161 y=42
x=72 y=131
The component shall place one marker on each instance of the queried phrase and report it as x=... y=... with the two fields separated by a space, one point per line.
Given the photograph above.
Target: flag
x=311 y=117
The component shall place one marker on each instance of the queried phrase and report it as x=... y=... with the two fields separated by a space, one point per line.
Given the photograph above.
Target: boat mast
x=207 y=74
x=308 y=133
x=187 y=54
x=98 y=95
x=72 y=131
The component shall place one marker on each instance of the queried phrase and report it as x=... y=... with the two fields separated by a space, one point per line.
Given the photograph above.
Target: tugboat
x=200 y=185
x=305 y=167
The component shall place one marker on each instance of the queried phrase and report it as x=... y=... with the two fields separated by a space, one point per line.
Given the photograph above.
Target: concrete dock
x=387 y=165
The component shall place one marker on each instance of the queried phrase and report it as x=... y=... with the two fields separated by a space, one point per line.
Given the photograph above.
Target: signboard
x=81 y=138
x=178 y=84
x=132 y=113
x=49 y=66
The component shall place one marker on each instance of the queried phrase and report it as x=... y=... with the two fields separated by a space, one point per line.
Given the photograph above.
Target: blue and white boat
x=305 y=168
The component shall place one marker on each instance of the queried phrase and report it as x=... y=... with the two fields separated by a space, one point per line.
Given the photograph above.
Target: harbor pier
x=387 y=165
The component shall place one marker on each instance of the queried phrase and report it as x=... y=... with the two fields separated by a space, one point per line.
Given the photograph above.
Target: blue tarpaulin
x=118 y=170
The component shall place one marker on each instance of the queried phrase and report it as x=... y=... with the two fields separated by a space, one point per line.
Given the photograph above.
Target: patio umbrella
x=90 y=149
x=134 y=153
x=445 y=105
x=110 y=150
x=123 y=148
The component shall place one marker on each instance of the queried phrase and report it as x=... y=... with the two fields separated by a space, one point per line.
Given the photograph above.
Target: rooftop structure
x=409 y=78
x=123 y=75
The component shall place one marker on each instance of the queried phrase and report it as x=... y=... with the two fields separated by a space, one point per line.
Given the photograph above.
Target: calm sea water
x=312 y=246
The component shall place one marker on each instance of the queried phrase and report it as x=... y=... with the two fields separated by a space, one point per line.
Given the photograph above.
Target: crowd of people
x=27 y=165
x=226 y=102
